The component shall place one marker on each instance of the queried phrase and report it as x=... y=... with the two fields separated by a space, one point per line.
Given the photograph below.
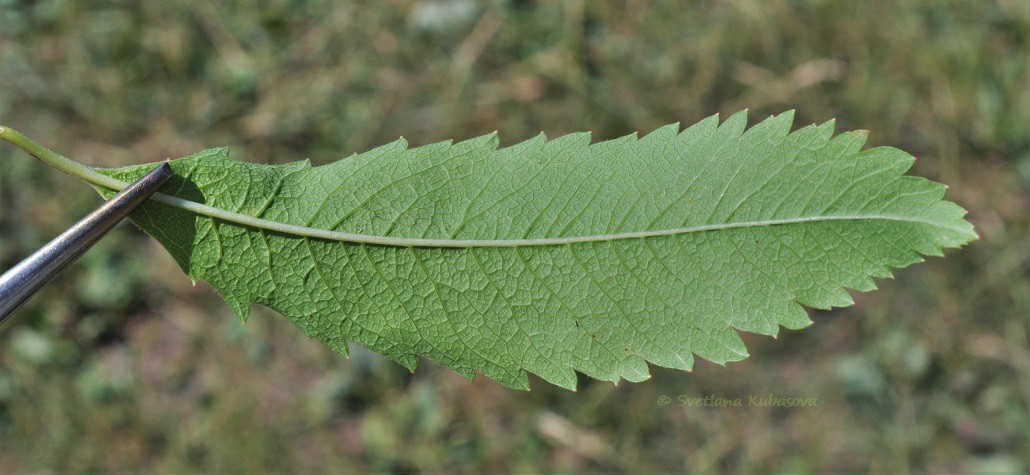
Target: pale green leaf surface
x=564 y=256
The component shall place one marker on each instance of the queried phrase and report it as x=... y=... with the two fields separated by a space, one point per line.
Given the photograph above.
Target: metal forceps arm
x=25 y=278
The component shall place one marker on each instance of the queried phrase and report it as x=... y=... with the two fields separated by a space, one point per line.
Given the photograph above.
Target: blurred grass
x=122 y=365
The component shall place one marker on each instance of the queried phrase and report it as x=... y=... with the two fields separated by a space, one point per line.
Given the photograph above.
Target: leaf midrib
x=105 y=181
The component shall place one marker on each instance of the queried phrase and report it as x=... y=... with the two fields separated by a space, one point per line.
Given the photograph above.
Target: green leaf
x=557 y=256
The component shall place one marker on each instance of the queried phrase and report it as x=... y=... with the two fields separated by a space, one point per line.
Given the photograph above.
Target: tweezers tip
x=165 y=169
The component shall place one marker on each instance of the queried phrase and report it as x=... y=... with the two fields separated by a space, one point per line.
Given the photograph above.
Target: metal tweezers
x=25 y=278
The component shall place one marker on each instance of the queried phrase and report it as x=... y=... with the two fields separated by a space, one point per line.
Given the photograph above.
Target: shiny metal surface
x=28 y=276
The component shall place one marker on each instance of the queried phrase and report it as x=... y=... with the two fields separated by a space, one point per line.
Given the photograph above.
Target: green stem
x=59 y=162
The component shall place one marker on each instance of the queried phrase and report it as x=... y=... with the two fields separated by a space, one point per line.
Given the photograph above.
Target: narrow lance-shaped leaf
x=557 y=256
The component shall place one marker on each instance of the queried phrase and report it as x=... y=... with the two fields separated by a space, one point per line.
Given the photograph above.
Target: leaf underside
x=636 y=250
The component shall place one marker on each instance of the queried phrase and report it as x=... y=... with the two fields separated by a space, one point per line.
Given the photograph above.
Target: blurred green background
x=122 y=364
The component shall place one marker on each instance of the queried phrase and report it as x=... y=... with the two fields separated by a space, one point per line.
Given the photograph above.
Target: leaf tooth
x=790 y=113
x=701 y=129
x=735 y=124
x=774 y=126
x=488 y=142
x=408 y=360
x=880 y=272
x=930 y=249
x=559 y=375
x=338 y=345
x=519 y=149
x=289 y=167
x=520 y=381
x=457 y=364
x=827 y=298
x=661 y=134
x=824 y=132
x=889 y=158
x=432 y=147
x=686 y=362
x=861 y=136
x=220 y=154
x=635 y=370
x=864 y=284
x=616 y=142
x=795 y=319
x=672 y=358
x=725 y=345
x=239 y=306
x=467 y=372
x=849 y=143
x=602 y=372
x=575 y=139
x=844 y=298
x=704 y=127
